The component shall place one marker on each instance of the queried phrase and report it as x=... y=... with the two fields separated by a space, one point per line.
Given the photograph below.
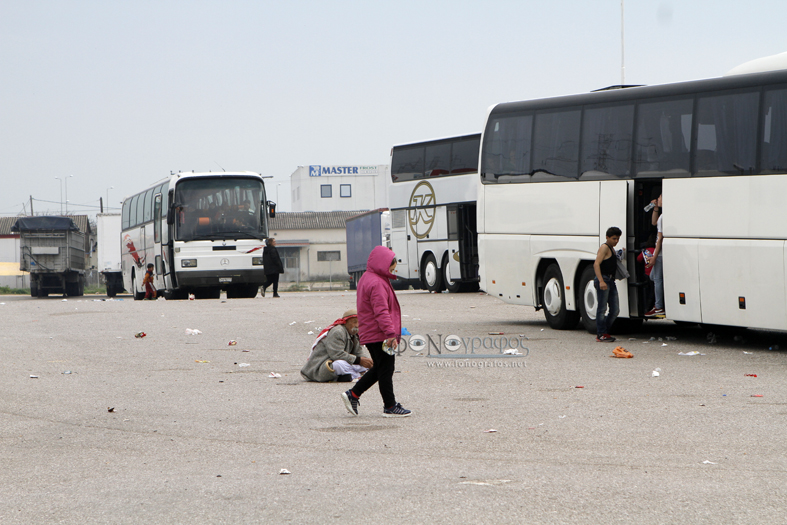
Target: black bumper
x=222 y=279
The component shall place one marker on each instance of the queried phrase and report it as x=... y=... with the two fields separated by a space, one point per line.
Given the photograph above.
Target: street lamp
x=66 y=179
x=61 y=194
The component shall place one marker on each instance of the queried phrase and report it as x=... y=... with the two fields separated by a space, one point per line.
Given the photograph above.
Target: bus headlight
x=188 y=263
x=256 y=261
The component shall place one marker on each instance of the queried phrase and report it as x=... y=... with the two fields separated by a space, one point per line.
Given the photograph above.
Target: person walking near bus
x=380 y=329
x=606 y=291
x=656 y=263
x=273 y=266
x=147 y=282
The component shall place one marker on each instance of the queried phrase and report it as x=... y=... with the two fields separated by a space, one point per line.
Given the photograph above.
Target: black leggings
x=382 y=372
x=272 y=279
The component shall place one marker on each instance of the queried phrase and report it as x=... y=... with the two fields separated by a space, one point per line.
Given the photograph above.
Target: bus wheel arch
x=554 y=300
x=588 y=299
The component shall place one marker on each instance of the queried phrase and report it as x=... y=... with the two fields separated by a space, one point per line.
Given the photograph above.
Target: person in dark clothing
x=605 y=267
x=273 y=266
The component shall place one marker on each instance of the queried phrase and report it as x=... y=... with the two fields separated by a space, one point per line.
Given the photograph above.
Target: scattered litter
x=749 y=375
x=711 y=338
x=542 y=329
x=416 y=318
x=656 y=373
x=223 y=301
x=621 y=352
x=110 y=409
x=284 y=471
x=774 y=347
x=660 y=339
x=756 y=395
x=118 y=337
x=512 y=351
x=652 y=339
x=191 y=297
x=307 y=322
x=66 y=372
x=292 y=323
x=64 y=301
x=309 y=333
x=670 y=338
x=523 y=335
x=140 y=335
x=579 y=387
x=245 y=350
x=33 y=377
x=745 y=352
x=274 y=375
x=233 y=342
x=632 y=338
x=690 y=353
x=706 y=462
x=201 y=361
x=561 y=417
x=490 y=431
x=496 y=333
x=405 y=315
x=405 y=331
x=470 y=307
x=664 y=344
x=243 y=364
x=189 y=331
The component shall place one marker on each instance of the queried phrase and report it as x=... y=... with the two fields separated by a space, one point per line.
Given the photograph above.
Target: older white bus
x=556 y=173
x=433 y=213
x=203 y=232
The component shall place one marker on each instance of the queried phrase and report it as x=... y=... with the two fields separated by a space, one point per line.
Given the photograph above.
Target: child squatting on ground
x=605 y=266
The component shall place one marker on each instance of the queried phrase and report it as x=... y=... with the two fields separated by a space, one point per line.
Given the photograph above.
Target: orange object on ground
x=621 y=352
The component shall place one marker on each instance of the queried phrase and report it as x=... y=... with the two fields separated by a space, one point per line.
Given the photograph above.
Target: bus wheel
x=432 y=276
x=588 y=302
x=451 y=286
x=558 y=317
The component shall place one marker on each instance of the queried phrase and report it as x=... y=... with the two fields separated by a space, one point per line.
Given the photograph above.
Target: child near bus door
x=150 y=292
x=605 y=266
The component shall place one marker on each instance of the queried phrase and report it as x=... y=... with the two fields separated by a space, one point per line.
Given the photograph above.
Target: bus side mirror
x=272 y=208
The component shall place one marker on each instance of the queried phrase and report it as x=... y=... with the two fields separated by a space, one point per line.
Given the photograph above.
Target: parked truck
x=53 y=252
x=108 y=252
x=364 y=232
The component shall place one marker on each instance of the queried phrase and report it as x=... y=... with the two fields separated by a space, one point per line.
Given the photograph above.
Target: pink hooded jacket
x=379 y=315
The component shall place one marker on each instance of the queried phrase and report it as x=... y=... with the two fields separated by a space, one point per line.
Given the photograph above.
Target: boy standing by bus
x=147 y=281
x=605 y=267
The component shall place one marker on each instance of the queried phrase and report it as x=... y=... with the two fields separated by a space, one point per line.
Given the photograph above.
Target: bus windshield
x=219 y=208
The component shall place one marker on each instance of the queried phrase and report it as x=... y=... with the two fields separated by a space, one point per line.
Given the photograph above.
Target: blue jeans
x=608 y=297
x=657 y=276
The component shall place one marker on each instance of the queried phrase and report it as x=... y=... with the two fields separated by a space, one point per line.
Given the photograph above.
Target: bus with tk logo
x=203 y=232
x=433 y=213
x=556 y=173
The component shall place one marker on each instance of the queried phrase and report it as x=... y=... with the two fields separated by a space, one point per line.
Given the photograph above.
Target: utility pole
x=101 y=204
x=31 y=206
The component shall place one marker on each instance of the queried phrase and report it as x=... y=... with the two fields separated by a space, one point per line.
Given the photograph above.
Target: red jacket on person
x=379 y=315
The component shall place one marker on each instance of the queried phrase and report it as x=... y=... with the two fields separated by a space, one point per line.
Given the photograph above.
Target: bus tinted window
x=407 y=163
x=726 y=134
x=140 y=208
x=507 y=149
x=148 y=205
x=663 y=138
x=132 y=211
x=464 y=155
x=606 y=141
x=124 y=219
x=556 y=144
x=437 y=159
x=773 y=158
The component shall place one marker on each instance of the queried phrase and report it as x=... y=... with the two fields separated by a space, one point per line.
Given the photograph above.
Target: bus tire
x=432 y=276
x=451 y=286
x=588 y=300
x=554 y=301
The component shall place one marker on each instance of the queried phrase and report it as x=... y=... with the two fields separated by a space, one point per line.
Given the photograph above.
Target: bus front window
x=218 y=208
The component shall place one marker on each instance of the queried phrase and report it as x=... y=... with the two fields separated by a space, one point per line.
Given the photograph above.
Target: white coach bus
x=203 y=232
x=556 y=173
x=433 y=213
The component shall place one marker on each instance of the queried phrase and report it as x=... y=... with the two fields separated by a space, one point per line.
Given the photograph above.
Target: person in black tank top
x=606 y=291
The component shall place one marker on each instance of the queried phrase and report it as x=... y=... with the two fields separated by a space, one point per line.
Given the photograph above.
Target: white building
x=339 y=188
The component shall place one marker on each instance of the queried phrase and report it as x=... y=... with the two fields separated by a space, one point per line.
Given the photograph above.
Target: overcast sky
x=121 y=93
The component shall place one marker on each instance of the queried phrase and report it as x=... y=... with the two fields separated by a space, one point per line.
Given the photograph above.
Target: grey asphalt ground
x=204 y=442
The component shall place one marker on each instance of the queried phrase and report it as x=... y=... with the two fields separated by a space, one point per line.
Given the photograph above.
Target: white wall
x=368 y=184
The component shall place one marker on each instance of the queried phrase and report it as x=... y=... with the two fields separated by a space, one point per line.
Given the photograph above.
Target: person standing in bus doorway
x=656 y=263
x=380 y=329
x=147 y=281
x=273 y=266
x=605 y=267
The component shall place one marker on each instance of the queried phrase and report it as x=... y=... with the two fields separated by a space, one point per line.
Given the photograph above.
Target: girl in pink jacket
x=380 y=329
